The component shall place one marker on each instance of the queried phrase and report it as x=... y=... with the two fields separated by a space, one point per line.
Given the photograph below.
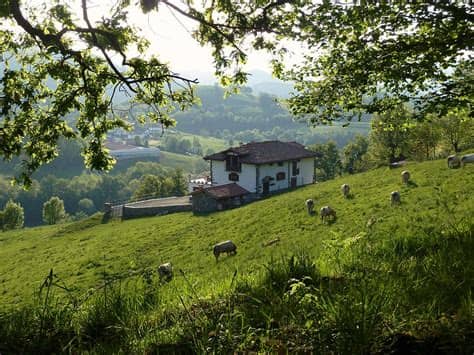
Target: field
x=207 y=142
x=188 y=163
x=373 y=249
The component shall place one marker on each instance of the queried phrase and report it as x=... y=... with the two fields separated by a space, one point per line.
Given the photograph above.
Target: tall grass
x=406 y=293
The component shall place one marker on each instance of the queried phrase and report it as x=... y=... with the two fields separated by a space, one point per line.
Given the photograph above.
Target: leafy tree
x=389 y=137
x=53 y=43
x=142 y=168
x=457 y=129
x=180 y=185
x=86 y=205
x=184 y=146
x=197 y=147
x=110 y=188
x=149 y=187
x=53 y=211
x=12 y=216
x=371 y=56
x=353 y=154
x=171 y=144
x=167 y=186
x=328 y=164
x=424 y=138
x=353 y=50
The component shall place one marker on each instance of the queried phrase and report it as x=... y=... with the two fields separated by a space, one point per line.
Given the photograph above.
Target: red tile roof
x=265 y=152
x=223 y=191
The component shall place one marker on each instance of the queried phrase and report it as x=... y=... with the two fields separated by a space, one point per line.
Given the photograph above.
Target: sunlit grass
x=377 y=271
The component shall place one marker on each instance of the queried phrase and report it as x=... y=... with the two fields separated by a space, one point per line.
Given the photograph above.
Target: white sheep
x=309 y=206
x=326 y=212
x=395 y=198
x=453 y=161
x=165 y=271
x=405 y=176
x=345 y=188
x=466 y=159
x=224 y=247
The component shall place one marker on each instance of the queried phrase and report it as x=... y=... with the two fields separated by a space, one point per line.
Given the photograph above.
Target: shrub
x=53 y=211
x=87 y=206
x=12 y=217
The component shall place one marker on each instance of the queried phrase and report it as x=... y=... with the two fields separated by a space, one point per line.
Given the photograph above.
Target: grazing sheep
x=309 y=206
x=225 y=247
x=395 y=198
x=345 y=190
x=466 y=159
x=454 y=162
x=327 y=212
x=165 y=271
x=405 y=176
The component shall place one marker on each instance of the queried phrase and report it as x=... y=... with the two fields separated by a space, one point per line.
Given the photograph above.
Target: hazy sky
x=170 y=35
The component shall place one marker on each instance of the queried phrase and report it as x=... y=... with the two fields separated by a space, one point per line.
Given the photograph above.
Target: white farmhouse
x=263 y=167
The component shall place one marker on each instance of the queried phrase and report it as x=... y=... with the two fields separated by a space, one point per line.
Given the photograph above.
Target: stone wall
x=129 y=212
x=202 y=203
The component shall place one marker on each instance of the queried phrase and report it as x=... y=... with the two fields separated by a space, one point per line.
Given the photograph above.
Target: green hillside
x=437 y=203
x=80 y=252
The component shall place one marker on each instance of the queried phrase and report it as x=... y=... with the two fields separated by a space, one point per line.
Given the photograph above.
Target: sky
x=170 y=37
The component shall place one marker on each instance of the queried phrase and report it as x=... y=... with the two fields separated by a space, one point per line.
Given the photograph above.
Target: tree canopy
x=358 y=57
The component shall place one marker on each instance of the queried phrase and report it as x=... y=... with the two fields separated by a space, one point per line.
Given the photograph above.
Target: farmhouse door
x=266 y=187
x=293 y=182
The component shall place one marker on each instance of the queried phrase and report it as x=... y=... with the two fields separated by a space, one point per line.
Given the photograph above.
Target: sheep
x=165 y=271
x=327 y=212
x=453 y=161
x=224 y=247
x=466 y=159
x=309 y=206
x=395 y=198
x=405 y=176
x=345 y=190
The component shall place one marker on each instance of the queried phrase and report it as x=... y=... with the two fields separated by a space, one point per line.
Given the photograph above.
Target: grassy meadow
x=378 y=278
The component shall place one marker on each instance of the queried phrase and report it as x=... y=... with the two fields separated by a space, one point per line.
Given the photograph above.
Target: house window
x=280 y=163
x=232 y=163
x=295 y=170
x=234 y=177
x=280 y=176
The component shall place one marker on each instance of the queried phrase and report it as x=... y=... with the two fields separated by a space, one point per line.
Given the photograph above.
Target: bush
x=12 y=217
x=87 y=206
x=53 y=211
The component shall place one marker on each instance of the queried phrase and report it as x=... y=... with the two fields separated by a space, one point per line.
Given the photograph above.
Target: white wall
x=272 y=170
x=306 y=175
x=247 y=176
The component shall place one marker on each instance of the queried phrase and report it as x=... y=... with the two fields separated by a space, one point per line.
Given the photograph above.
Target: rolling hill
x=400 y=274
x=81 y=252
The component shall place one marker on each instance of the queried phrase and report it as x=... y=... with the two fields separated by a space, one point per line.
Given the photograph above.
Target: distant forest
x=245 y=117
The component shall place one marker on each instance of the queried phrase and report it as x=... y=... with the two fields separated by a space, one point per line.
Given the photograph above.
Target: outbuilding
x=218 y=198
